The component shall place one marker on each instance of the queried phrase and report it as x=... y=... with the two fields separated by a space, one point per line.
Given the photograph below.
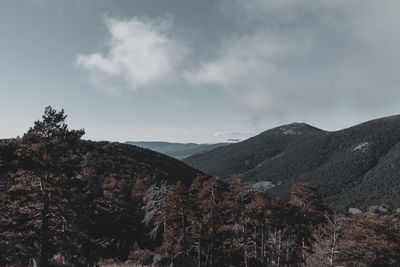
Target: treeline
x=220 y=225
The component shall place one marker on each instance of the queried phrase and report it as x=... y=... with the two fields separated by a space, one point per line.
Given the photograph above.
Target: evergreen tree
x=113 y=216
x=197 y=229
x=210 y=200
x=235 y=200
x=256 y=229
x=43 y=190
x=175 y=215
x=307 y=198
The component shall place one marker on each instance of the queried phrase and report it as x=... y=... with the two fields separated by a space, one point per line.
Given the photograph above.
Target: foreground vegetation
x=233 y=226
x=57 y=204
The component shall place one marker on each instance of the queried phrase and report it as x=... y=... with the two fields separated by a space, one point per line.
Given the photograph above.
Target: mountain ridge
x=176 y=150
x=355 y=166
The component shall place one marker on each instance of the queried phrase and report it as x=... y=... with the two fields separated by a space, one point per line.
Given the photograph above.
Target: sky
x=197 y=71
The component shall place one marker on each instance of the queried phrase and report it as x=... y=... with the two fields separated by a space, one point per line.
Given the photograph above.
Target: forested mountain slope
x=358 y=166
x=138 y=162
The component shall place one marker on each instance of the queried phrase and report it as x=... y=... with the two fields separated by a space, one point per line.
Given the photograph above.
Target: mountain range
x=177 y=150
x=358 y=166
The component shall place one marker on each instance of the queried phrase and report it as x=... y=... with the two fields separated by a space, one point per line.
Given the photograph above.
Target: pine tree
x=309 y=201
x=256 y=229
x=112 y=219
x=175 y=215
x=210 y=200
x=197 y=229
x=43 y=190
x=234 y=202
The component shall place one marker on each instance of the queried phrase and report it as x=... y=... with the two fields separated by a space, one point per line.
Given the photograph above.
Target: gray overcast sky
x=199 y=71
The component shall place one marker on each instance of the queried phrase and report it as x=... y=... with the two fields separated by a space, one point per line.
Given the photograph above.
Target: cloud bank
x=289 y=59
x=141 y=53
x=308 y=57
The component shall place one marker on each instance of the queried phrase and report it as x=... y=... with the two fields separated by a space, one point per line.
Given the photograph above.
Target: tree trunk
x=184 y=227
x=208 y=256
x=246 y=264
x=199 y=248
x=279 y=248
x=44 y=246
x=255 y=244
x=262 y=247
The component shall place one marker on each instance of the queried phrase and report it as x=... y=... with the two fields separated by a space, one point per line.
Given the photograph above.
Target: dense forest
x=69 y=202
x=219 y=225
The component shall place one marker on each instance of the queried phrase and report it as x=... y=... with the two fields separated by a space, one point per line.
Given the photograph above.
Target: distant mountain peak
x=297 y=128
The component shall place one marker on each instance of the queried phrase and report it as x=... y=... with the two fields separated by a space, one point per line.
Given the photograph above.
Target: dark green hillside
x=355 y=166
x=138 y=162
x=247 y=155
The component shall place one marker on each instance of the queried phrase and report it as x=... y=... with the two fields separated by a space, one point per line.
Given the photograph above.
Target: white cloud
x=141 y=53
